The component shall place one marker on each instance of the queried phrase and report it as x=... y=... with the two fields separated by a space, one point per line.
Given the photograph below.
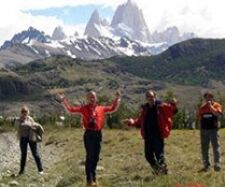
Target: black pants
x=92 y=143
x=33 y=146
x=154 y=151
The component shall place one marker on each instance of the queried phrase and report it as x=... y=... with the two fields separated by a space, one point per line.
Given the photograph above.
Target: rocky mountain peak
x=93 y=24
x=58 y=33
x=171 y=35
x=134 y=24
x=25 y=37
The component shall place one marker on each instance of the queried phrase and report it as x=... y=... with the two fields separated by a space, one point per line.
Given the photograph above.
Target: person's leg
x=89 y=148
x=149 y=154
x=159 y=154
x=214 y=137
x=97 y=149
x=159 y=150
x=205 y=140
x=23 y=149
x=34 y=151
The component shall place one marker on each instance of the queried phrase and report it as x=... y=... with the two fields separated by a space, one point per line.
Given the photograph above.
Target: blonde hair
x=150 y=91
x=25 y=109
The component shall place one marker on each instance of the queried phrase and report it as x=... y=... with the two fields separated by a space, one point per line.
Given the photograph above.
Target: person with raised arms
x=92 y=120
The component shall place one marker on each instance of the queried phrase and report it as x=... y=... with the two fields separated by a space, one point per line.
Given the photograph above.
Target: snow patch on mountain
x=55 y=44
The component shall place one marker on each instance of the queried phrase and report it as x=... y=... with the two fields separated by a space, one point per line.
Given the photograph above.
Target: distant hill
x=187 y=69
x=194 y=62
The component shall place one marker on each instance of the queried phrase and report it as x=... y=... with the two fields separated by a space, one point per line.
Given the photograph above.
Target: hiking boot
x=217 y=167
x=204 y=169
x=91 y=183
x=20 y=173
x=163 y=170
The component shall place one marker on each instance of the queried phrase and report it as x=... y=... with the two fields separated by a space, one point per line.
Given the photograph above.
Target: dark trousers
x=154 y=151
x=207 y=136
x=34 y=150
x=92 y=144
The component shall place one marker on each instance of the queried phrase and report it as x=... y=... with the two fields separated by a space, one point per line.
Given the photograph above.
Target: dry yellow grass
x=123 y=161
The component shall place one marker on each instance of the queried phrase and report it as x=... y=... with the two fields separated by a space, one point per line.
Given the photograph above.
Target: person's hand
x=34 y=127
x=173 y=101
x=118 y=94
x=128 y=121
x=60 y=97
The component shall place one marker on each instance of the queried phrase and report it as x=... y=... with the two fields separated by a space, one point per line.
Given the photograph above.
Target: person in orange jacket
x=209 y=114
x=92 y=120
x=155 y=121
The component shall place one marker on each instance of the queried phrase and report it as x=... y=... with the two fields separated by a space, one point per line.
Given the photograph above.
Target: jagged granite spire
x=58 y=33
x=128 y=20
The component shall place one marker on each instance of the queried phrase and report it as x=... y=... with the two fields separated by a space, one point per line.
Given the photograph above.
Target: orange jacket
x=165 y=112
x=206 y=109
x=88 y=111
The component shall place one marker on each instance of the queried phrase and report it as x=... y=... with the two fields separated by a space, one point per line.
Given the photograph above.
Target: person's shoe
x=163 y=170
x=91 y=183
x=94 y=184
x=204 y=169
x=217 y=167
x=20 y=173
x=41 y=172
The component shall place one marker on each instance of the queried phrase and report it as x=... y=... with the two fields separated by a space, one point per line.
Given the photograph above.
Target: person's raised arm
x=215 y=109
x=62 y=99
x=170 y=106
x=115 y=105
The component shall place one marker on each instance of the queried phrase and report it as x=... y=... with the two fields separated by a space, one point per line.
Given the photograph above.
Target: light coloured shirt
x=24 y=127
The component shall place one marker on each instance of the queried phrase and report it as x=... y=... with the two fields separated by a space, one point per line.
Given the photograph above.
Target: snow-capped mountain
x=128 y=34
x=58 y=33
x=97 y=27
x=124 y=24
x=171 y=35
x=129 y=21
x=26 y=37
x=86 y=48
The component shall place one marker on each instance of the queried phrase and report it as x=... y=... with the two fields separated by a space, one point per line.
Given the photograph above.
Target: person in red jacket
x=92 y=121
x=155 y=121
x=209 y=114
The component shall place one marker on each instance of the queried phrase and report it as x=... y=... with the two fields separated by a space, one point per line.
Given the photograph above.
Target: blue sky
x=73 y=15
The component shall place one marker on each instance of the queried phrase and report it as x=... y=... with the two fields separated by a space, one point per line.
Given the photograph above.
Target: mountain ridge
x=127 y=35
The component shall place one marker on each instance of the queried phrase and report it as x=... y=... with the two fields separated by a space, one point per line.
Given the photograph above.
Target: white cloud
x=204 y=17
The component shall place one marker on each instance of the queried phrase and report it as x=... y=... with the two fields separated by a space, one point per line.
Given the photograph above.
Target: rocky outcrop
x=12 y=86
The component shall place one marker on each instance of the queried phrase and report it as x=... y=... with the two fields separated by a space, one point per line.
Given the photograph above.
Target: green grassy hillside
x=195 y=62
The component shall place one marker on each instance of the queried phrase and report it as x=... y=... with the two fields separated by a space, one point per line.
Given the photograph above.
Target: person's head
x=208 y=96
x=24 y=112
x=91 y=97
x=150 y=96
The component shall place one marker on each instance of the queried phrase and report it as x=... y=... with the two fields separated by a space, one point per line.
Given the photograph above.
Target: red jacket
x=87 y=111
x=165 y=112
